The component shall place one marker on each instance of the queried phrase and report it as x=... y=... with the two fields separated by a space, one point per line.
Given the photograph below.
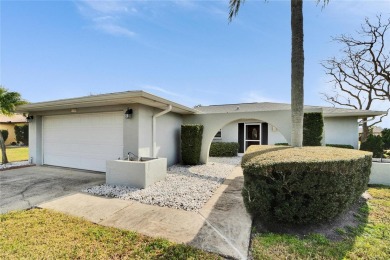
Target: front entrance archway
x=212 y=123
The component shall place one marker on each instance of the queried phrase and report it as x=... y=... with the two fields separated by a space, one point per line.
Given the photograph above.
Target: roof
x=119 y=98
x=16 y=118
x=269 y=106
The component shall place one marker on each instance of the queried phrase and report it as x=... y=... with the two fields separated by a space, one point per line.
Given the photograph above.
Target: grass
x=370 y=240
x=15 y=154
x=39 y=233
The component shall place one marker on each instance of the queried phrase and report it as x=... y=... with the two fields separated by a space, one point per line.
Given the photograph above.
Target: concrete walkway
x=222 y=226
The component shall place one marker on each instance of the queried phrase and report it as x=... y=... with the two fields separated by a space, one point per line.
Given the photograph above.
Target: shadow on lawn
x=332 y=239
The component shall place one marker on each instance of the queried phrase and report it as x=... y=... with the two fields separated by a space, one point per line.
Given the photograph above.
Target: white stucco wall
x=167 y=134
x=168 y=137
x=341 y=130
x=213 y=122
x=229 y=133
x=274 y=136
x=35 y=140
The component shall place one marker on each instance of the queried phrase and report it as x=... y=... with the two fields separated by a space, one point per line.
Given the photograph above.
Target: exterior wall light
x=129 y=113
x=29 y=119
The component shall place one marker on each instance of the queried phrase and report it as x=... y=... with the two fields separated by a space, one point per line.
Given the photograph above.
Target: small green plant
x=191 y=143
x=222 y=149
x=374 y=144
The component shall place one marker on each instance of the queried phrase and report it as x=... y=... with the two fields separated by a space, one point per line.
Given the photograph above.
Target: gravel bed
x=185 y=187
x=13 y=164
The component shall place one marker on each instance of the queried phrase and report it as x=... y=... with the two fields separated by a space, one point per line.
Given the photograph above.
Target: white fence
x=380 y=172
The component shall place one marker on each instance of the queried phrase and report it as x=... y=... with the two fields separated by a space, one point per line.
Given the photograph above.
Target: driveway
x=26 y=187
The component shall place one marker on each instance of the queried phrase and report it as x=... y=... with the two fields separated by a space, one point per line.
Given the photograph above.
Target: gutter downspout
x=154 y=128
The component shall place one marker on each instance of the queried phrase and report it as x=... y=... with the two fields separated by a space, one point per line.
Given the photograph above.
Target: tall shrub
x=374 y=144
x=21 y=133
x=313 y=125
x=4 y=133
x=191 y=143
x=386 y=138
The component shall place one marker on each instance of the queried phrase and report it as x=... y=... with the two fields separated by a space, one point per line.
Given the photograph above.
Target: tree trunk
x=4 y=158
x=365 y=131
x=297 y=72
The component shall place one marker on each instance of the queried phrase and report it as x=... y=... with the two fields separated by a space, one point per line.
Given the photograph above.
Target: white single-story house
x=85 y=132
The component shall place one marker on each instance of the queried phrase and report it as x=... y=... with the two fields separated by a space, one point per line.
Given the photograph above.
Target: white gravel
x=13 y=164
x=185 y=187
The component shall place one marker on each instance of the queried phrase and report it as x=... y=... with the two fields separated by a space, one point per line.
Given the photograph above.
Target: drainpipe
x=154 y=128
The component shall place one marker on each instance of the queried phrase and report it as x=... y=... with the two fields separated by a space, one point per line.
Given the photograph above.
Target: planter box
x=380 y=173
x=138 y=174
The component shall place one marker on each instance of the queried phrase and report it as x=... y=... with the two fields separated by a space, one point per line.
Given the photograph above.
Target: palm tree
x=8 y=103
x=297 y=65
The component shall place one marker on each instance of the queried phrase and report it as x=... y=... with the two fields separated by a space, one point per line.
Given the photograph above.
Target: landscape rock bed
x=14 y=165
x=185 y=187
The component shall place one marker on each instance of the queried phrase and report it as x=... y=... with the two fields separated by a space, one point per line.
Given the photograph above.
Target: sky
x=185 y=50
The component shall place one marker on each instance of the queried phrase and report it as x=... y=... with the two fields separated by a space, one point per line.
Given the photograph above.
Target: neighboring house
x=376 y=130
x=85 y=132
x=8 y=123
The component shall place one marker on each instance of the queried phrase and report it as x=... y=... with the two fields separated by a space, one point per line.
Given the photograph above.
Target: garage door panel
x=83 y=141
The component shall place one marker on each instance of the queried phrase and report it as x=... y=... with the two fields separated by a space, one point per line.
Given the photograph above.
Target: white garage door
x=83 y=141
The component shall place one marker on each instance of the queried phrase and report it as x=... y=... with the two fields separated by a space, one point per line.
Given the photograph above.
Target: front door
x=252 y=135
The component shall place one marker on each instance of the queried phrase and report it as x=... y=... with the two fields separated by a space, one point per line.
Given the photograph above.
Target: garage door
x=83 y=141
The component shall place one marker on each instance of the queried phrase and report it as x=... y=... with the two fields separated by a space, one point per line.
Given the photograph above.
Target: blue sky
x=185 y=51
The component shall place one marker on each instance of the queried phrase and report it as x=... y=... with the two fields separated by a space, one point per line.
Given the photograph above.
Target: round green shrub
x=302 y=185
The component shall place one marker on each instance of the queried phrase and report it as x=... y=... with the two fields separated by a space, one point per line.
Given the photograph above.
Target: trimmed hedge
x=302 y=185
x=313 y=125
x=223 y=149
x=345 y=146
x=191 y=143
x=4 y=133
x=285 y=144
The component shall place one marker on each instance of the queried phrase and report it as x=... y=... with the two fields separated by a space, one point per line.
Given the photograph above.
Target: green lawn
x=15 y=154
x=39 y=233
x=370 y=240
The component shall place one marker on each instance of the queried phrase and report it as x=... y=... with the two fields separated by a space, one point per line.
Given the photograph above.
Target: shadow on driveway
x=24 y=188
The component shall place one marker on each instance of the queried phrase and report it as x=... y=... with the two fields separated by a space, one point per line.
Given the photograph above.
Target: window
x=218 y=135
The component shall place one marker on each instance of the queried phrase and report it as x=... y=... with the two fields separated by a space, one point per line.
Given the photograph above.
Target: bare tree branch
x=362 y=76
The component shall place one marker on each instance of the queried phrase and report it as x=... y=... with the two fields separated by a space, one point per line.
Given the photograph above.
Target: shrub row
x=346 y=146
x=191 y=143
x=223 y=149
x=302 y=185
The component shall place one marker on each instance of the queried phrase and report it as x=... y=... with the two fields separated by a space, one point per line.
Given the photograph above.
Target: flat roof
x=270 y=106
x=119 y=98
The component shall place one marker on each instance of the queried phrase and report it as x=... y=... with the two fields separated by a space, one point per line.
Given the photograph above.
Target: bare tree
x=361 y=78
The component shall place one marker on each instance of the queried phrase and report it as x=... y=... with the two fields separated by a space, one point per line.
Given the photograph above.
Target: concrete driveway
x=26 y=187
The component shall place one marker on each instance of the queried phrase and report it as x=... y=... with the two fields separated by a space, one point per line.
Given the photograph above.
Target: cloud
x=254 y=96
x=107 y=16
x=114 y=29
